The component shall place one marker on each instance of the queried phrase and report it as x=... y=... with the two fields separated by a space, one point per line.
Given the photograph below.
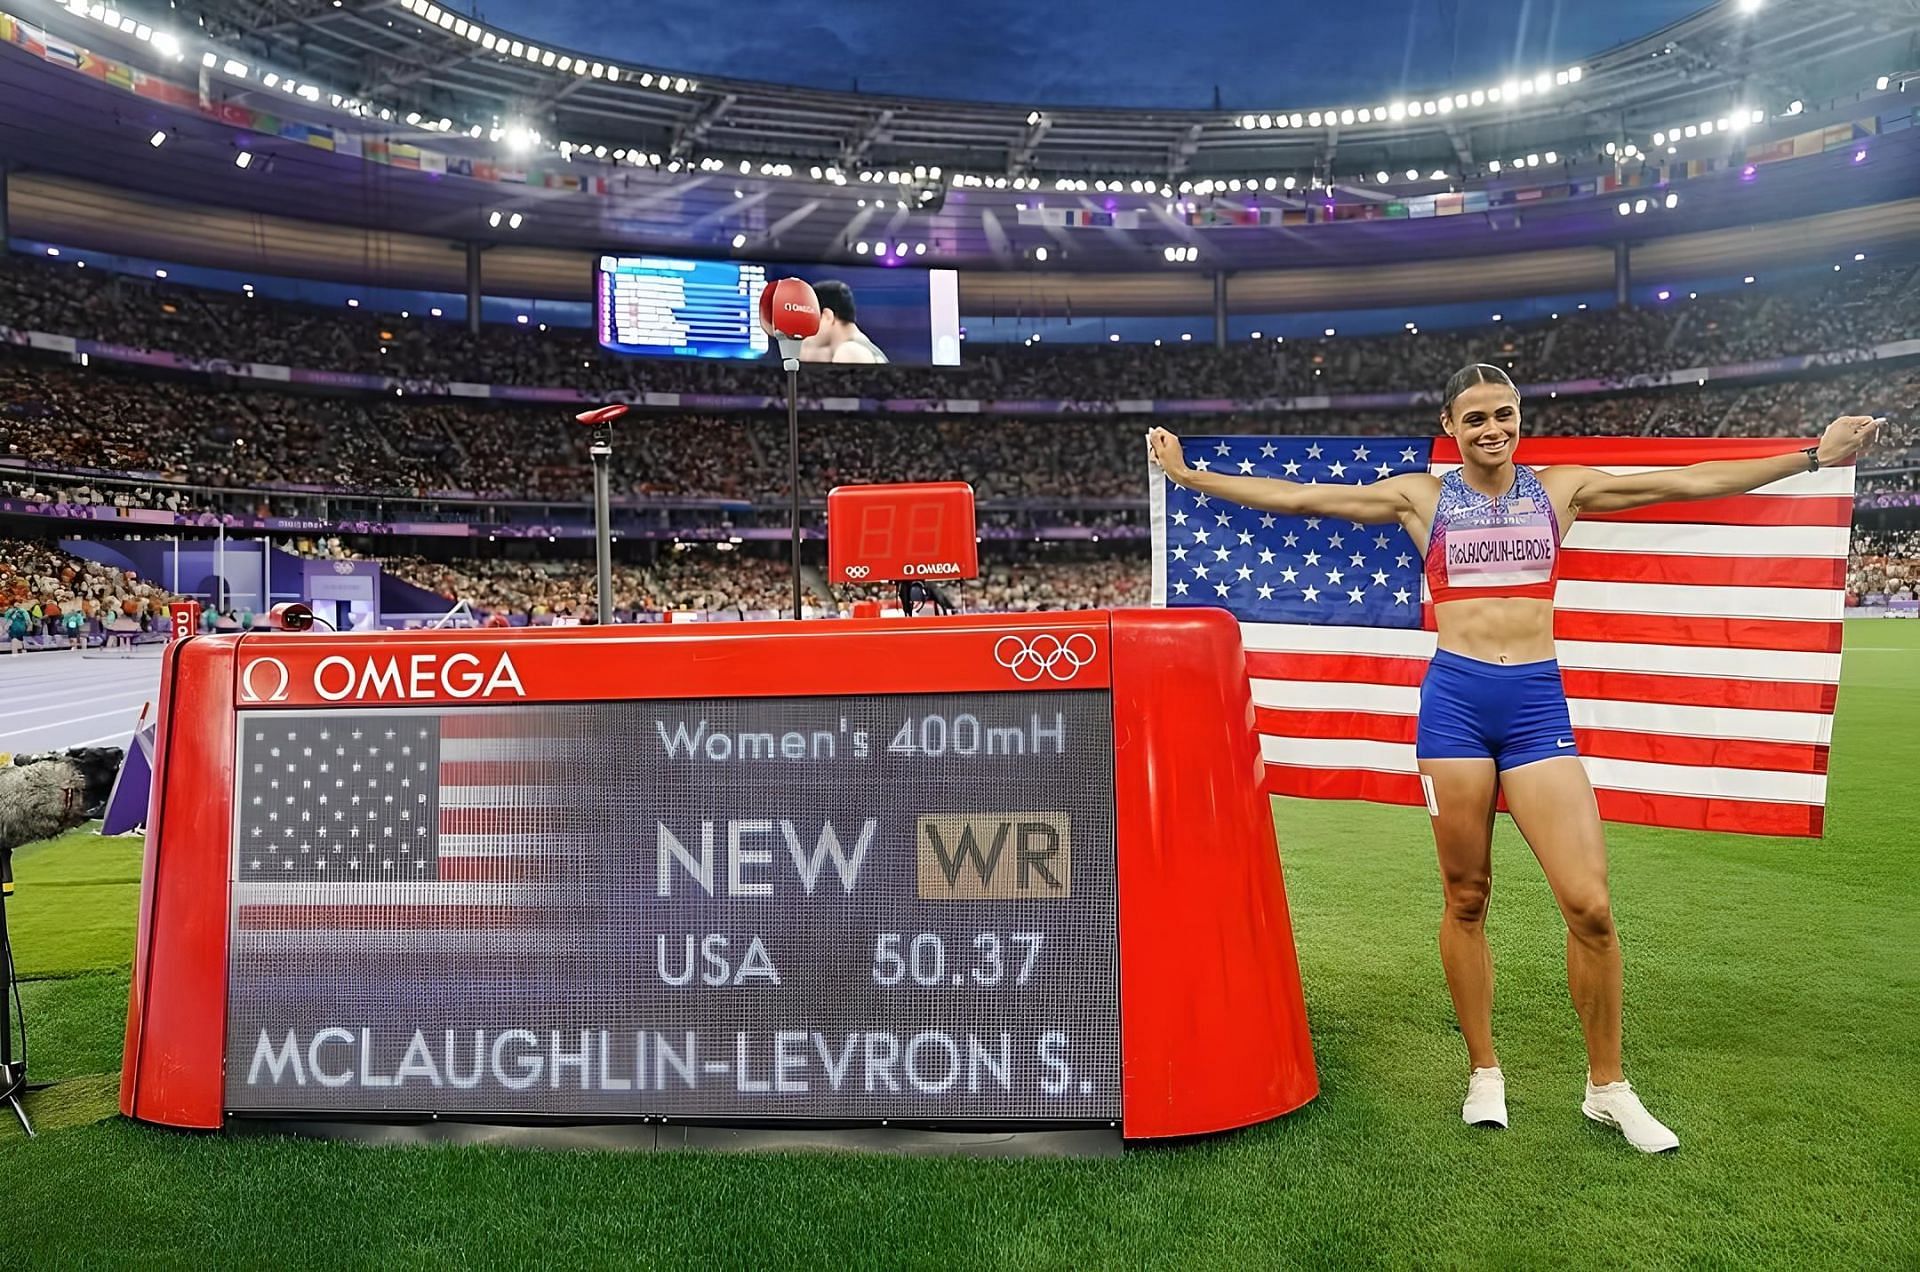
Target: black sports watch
x=1813 y=459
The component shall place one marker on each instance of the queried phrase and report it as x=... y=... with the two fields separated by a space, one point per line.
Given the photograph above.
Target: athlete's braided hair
x=1468 y=376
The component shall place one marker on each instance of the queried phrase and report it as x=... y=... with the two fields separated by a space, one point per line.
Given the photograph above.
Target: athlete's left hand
x=1847 y=437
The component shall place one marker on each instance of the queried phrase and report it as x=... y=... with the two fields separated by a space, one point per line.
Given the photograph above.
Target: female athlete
x=1493 y=714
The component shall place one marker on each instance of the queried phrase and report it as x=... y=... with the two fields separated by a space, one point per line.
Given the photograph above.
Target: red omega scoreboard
x=978 y=874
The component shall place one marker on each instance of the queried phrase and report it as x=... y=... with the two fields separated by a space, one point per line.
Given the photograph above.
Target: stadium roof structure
x=648 y=158
x=411 y=55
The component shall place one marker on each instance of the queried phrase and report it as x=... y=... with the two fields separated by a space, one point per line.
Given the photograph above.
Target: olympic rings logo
x=856 y=571
x=1044 y=655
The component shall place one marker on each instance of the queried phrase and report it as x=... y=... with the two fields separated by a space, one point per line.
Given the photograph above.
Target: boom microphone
x=789 y=313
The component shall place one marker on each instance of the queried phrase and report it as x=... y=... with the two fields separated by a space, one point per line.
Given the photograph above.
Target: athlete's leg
x=1460 y=802
x=1552 y=803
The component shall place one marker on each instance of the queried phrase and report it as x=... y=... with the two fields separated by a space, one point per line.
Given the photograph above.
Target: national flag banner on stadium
x=1699 y=641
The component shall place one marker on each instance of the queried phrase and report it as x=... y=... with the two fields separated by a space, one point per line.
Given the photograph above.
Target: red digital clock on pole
x=901 y=532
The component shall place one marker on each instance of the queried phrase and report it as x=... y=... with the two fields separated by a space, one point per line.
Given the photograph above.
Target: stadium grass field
x=1771 y=1018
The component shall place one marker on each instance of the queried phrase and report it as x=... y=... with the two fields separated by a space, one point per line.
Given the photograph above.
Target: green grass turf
x=1771 y=991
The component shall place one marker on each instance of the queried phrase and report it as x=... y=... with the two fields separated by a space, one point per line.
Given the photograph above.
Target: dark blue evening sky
x=1100 y=52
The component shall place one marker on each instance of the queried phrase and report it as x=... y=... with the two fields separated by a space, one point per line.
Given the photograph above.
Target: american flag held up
x=1699 y=642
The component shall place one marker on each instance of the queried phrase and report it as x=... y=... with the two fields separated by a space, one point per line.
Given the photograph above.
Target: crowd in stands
x=1860 y=306
x=1885 y=564
x=715 y=579
x=202 y=443
x=55 y=597
x=199 y=435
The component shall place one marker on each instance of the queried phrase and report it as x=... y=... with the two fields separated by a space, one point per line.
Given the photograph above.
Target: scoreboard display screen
x=676 y=307
x=895 y=906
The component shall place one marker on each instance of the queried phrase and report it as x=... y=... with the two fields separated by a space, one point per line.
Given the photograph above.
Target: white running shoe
x=1617 y=1106
x=1486 y=1098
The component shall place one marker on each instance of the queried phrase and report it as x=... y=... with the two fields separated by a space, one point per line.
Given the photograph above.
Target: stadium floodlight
x=1575 y=74
x=900 y=249
x=1346 y=116
x=1551 y=157
x=1795 y=106
x=1533 y=161
x=1477 y=97
x=1626 y=209
x=1288 y=183
x=1659 y=139
x=1859 y=256
x=1365 y=115
x=1413 y=174
x=1493 y=166
x=919 y=249
x=1750 y=6
x=352 y=303
x=1446 y=105
x=513 y=222
x=1040 y=254
x=272 y=78
x=167 y=43
x=1672 y=200
x=1639 y=206
x=1313 y=119
x=1114 y=336
x=434 y=312
x=1329 y=331
x=244 y=159
x=1380 y=176
x=1397 y=111
x=159 y=273
x=860 y=248
x=209 y=60
x=158 y=139
x=1438 y=174
x=493 y=220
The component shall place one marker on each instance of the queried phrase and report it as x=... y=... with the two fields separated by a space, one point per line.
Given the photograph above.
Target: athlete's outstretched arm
x=1610 y=492
x=1380 y=503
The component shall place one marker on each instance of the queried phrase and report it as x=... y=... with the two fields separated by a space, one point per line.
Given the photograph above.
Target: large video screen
x=848 y=908
x=673 y=307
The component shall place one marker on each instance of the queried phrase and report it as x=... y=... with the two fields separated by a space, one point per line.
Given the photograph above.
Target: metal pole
x=793 y=469
x=1220 y=309
x=1622 y=275
x=473 y=289
x=602 y=453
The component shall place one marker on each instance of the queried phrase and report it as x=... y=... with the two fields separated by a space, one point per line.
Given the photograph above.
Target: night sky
x=1101 y=52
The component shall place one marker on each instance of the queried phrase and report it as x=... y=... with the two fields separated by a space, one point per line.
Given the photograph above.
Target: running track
x=59 y=698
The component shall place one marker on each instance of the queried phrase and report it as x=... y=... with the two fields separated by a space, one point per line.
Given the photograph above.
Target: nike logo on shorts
x=1564 y=745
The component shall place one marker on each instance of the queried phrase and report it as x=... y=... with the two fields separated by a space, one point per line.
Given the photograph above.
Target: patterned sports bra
x=1485 y=546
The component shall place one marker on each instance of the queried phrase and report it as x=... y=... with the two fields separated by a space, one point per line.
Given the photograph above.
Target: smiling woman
x=1493 y=718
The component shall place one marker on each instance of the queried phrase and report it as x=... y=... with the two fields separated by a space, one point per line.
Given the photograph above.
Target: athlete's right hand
x=1164 y=449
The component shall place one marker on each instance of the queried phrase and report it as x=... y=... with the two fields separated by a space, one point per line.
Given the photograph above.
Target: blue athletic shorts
x=1512 y=714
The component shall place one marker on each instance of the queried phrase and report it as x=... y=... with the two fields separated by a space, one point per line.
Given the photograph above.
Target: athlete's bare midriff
x=1497 y=630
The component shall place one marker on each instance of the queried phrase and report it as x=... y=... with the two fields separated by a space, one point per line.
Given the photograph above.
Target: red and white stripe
x=1699 y=644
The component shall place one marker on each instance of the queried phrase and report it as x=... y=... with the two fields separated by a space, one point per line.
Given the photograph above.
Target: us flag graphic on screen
x=1699 y=642
x=411 y=822
x=340 y=797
